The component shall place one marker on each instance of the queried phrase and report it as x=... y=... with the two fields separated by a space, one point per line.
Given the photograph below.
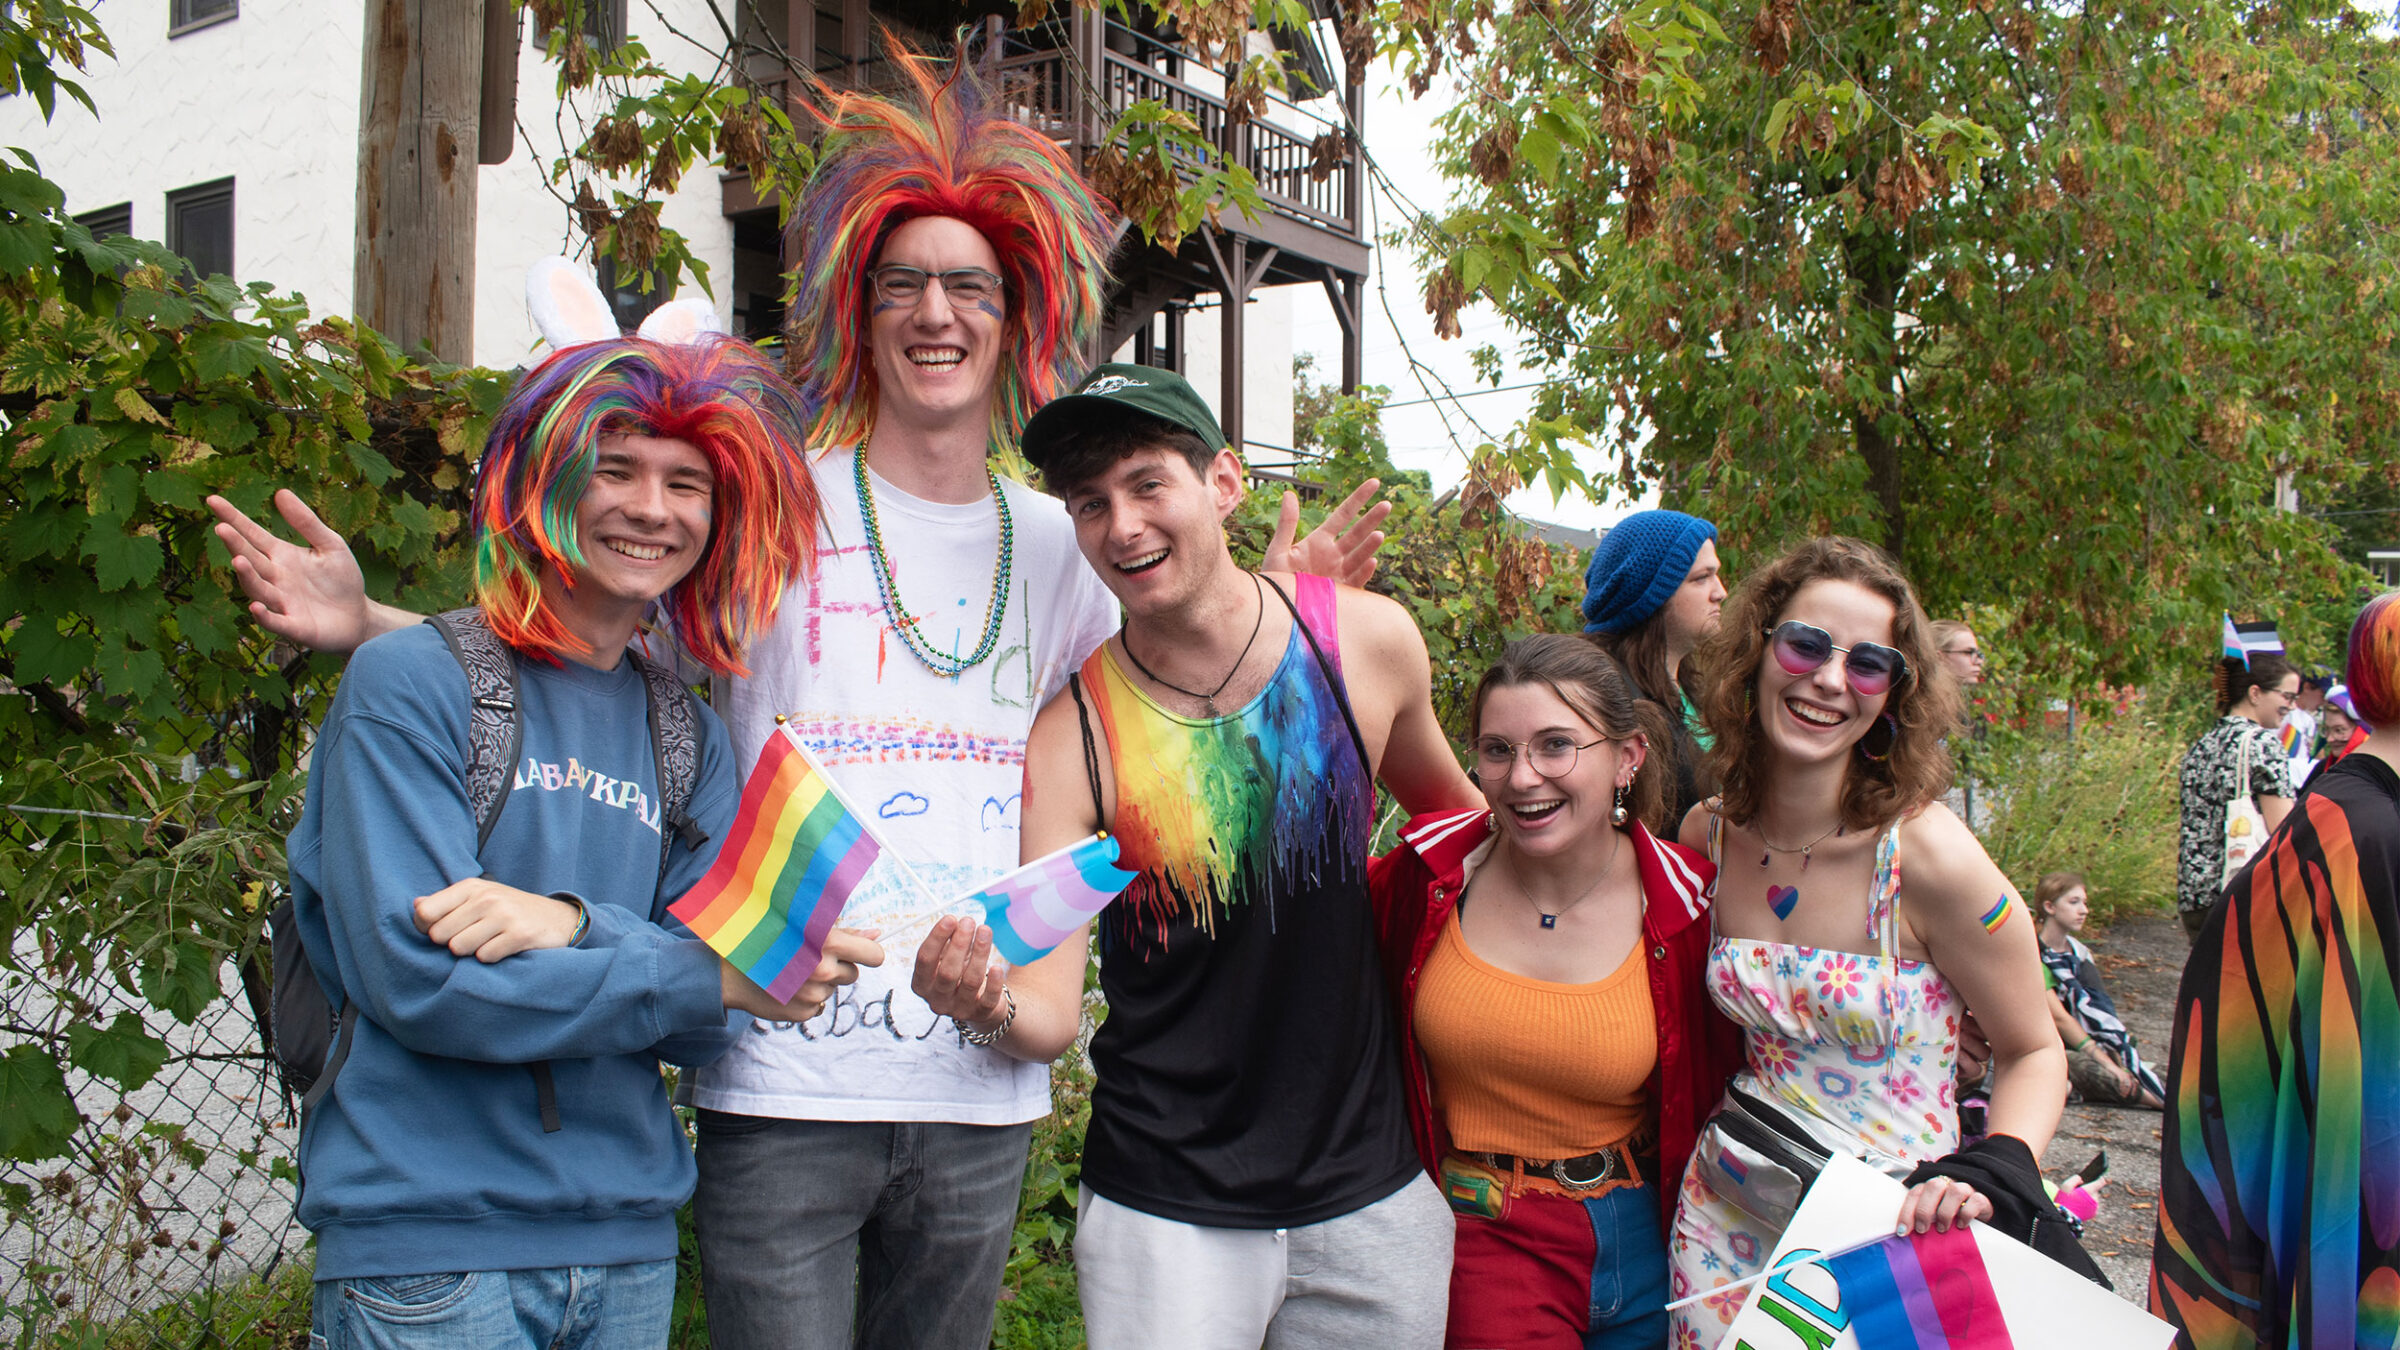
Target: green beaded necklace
x=904 y=623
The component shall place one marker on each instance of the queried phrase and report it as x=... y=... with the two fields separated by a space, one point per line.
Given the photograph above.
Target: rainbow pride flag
x=1923 y=1291
x=1041 y=904
x=795 y=853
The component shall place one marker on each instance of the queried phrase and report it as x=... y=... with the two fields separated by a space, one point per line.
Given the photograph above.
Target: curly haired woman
x=1829 y=702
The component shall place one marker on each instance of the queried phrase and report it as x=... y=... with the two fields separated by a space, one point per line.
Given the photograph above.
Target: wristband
x=583 y=923
x=1008 y=1018
x=2086 y=1041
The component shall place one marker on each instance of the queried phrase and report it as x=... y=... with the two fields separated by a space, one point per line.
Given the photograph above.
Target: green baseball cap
x=1110 y=391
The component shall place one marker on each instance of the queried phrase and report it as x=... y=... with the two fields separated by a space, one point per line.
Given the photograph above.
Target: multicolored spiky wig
x=946 y=151
x=719 y=395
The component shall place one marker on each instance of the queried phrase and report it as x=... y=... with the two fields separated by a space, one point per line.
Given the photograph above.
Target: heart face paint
x=1781 y=899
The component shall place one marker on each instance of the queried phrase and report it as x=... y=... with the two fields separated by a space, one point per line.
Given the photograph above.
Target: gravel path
x=2141 y=958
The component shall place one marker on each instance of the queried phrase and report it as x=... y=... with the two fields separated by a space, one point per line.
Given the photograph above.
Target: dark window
x=200 y=227
x=603 y=23
x=185 y=15
x=108 y=220
x=628 y=302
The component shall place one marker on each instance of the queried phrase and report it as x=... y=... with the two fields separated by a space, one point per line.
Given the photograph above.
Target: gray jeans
x=822 y=1235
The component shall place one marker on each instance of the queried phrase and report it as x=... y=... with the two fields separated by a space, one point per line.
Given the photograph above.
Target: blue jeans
x=1629 y=1280
x=823 y=1235
x=562 y=1308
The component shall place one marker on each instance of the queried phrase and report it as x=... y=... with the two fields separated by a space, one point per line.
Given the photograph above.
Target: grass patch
x=2104 y=801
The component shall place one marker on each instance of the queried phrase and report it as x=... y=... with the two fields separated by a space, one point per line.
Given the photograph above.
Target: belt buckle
x=1608 y=1170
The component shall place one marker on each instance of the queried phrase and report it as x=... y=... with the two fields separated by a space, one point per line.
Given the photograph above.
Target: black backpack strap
x=675 y=743
x=545 y=1095
x=495 y=717
x=343 y=1035
x=1091 y=751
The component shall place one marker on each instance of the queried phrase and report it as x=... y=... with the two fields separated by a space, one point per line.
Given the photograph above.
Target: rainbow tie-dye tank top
x=1248 y=1069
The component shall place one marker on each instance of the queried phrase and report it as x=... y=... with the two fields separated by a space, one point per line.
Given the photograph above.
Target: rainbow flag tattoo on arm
x=1996 y=916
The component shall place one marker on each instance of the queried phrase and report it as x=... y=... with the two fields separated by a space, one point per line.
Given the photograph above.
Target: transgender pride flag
x=795 y=853
x=1041 y=904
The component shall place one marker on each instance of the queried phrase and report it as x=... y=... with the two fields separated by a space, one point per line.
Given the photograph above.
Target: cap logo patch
x=1109 y=384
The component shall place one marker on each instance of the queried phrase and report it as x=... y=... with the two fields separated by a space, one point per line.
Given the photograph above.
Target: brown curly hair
x=1589 y=681
x=1925 y=703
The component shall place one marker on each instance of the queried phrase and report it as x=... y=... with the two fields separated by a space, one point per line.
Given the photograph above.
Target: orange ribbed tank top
x=1532 y=1068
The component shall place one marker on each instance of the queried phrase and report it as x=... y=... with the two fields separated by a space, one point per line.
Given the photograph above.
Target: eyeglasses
x=1871 y=667
x=1552 y=756
x=1971 y=653
x=900 y=284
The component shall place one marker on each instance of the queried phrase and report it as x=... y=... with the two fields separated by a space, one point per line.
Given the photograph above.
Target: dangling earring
x=1891 y=739
x=1617 y=817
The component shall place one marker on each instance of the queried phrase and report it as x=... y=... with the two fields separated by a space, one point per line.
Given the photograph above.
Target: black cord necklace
x=1209 y=699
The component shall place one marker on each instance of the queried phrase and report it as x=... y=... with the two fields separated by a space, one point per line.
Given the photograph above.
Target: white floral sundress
x=1831 y=1034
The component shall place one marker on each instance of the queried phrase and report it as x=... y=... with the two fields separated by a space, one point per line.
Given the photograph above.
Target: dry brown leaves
x=1771 y=34
x=1493 y=157
x=615 y=145
x=1445 y=296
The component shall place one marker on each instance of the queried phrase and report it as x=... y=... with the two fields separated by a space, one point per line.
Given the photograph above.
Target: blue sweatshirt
x=429 y=1155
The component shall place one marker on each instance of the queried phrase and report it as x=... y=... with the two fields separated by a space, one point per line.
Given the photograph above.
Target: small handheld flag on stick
x=2245 y=640
x=1041 y=904
x=1921 y=1291
x=795 y=853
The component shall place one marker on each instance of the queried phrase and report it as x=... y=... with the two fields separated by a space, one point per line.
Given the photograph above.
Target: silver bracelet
x=1008 y=1018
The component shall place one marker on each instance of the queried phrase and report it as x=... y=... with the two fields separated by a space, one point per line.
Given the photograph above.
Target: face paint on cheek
x=883 y=305
x=990 y=307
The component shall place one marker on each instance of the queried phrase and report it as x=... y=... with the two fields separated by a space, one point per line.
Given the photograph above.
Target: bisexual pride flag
x=795 y=853
x=1921 y=1291
x=1041 y=904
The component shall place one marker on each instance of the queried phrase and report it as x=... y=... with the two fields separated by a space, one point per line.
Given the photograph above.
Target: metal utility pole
x=419 y=141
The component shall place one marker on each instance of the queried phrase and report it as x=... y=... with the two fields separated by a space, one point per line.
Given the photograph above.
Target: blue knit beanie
x=1638 y=566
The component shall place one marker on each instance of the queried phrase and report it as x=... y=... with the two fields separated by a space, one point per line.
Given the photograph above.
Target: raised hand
x=310 y=593
x=845 y=952
x=1343 y=544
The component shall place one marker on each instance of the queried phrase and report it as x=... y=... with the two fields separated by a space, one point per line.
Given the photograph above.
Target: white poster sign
x=2043 y=1302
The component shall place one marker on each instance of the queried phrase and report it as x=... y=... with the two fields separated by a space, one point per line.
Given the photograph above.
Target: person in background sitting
x=2103 y=1063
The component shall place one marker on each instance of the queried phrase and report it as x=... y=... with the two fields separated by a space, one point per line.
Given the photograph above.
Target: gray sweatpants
x=1378 y=1276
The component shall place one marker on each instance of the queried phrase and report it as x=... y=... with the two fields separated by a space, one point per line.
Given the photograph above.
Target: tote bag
x=2245 y=827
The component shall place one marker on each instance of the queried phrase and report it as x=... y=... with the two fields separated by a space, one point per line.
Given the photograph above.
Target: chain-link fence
x=169 y=1223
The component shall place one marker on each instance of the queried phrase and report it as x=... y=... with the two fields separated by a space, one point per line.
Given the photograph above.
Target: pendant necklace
x=1209 y=699
x=905 y=623
x=1550 y=917
x=1804 y=850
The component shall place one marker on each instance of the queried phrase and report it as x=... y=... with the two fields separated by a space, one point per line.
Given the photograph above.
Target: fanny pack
x=1762 y=1158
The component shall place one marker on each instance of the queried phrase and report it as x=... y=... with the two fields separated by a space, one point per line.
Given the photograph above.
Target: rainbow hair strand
x=718 y=395
x=948 y=151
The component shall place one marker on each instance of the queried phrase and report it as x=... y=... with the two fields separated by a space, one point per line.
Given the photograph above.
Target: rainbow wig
x=2374 y=666
x=949 y=151
x=719 y=395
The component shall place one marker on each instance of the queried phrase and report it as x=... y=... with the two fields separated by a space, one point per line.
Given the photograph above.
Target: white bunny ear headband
x=569 y=309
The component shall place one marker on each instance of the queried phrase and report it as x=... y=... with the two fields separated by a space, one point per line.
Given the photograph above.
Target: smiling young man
x=1248 y=1176
x=493 y=1161
x=859 y=1172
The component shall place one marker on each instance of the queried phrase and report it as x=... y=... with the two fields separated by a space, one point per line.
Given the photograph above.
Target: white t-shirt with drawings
x=936 y=763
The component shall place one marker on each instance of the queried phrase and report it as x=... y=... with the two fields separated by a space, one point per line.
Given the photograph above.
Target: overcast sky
x=1434 y=436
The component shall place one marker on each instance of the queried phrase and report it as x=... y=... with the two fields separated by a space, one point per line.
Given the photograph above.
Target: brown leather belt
x=1576 y=1174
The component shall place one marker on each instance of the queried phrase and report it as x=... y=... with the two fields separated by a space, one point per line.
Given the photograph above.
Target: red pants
x=1561 y=1274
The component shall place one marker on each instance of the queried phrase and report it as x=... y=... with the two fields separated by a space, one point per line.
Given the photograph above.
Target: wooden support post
x=1238 y=264
x=420 y=101
x=497 y=117
x=799 y=45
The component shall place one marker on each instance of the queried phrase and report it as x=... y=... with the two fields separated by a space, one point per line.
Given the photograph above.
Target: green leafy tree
x=147 y=763
x=2043 y=298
